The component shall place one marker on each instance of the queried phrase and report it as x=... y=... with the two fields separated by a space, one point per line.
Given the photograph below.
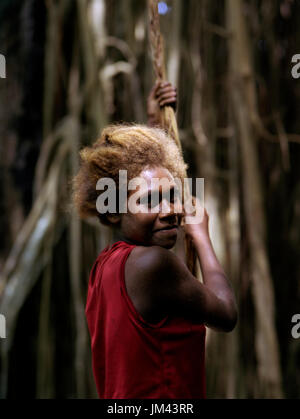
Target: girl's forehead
x=156 y=179
x=160 y=173
x=151 y=180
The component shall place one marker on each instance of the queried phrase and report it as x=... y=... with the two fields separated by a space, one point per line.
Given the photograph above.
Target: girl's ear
x=114 y=218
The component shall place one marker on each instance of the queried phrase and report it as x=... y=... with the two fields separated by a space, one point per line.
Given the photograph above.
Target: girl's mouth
x=168 y=231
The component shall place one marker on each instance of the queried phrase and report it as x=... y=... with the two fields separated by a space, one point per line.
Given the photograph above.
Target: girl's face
x=158 y=228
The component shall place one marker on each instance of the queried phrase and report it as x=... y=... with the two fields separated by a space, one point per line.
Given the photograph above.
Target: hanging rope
x=168 y=117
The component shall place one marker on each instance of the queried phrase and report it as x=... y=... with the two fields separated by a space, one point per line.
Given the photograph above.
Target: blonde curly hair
x=122 y=147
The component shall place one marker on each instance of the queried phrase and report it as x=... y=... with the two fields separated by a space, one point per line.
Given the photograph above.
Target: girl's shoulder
x=144 y=257
x=141 y=273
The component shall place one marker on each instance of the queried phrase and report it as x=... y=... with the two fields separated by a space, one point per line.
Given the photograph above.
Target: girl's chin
x=167 y=244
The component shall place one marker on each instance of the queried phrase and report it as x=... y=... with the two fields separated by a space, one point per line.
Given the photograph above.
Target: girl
x=146 y=312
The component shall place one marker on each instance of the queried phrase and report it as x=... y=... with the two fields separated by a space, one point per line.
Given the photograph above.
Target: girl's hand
x=196 y=223
x=162 y=94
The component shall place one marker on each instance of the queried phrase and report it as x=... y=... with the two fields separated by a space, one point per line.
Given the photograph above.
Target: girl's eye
x=144 y=201
x=176 y=194
x=155 y=199
x=172 y=196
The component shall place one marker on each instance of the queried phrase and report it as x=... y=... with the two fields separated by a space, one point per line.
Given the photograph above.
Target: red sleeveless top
x=132 y=358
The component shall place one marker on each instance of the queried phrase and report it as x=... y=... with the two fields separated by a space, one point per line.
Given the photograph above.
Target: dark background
x=72 y=67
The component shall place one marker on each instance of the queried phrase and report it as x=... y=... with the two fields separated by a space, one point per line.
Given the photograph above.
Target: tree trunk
x=243 y=103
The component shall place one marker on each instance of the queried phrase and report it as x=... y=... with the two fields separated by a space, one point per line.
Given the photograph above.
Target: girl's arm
x=213 y=274
x=163 y=284
x=214 y=277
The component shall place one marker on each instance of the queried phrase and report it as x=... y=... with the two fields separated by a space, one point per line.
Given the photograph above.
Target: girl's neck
x=118 y=236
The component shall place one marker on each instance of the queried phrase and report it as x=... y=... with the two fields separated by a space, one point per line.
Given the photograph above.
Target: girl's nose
x=166 y=207
x=167 y=212
x=169 y=218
